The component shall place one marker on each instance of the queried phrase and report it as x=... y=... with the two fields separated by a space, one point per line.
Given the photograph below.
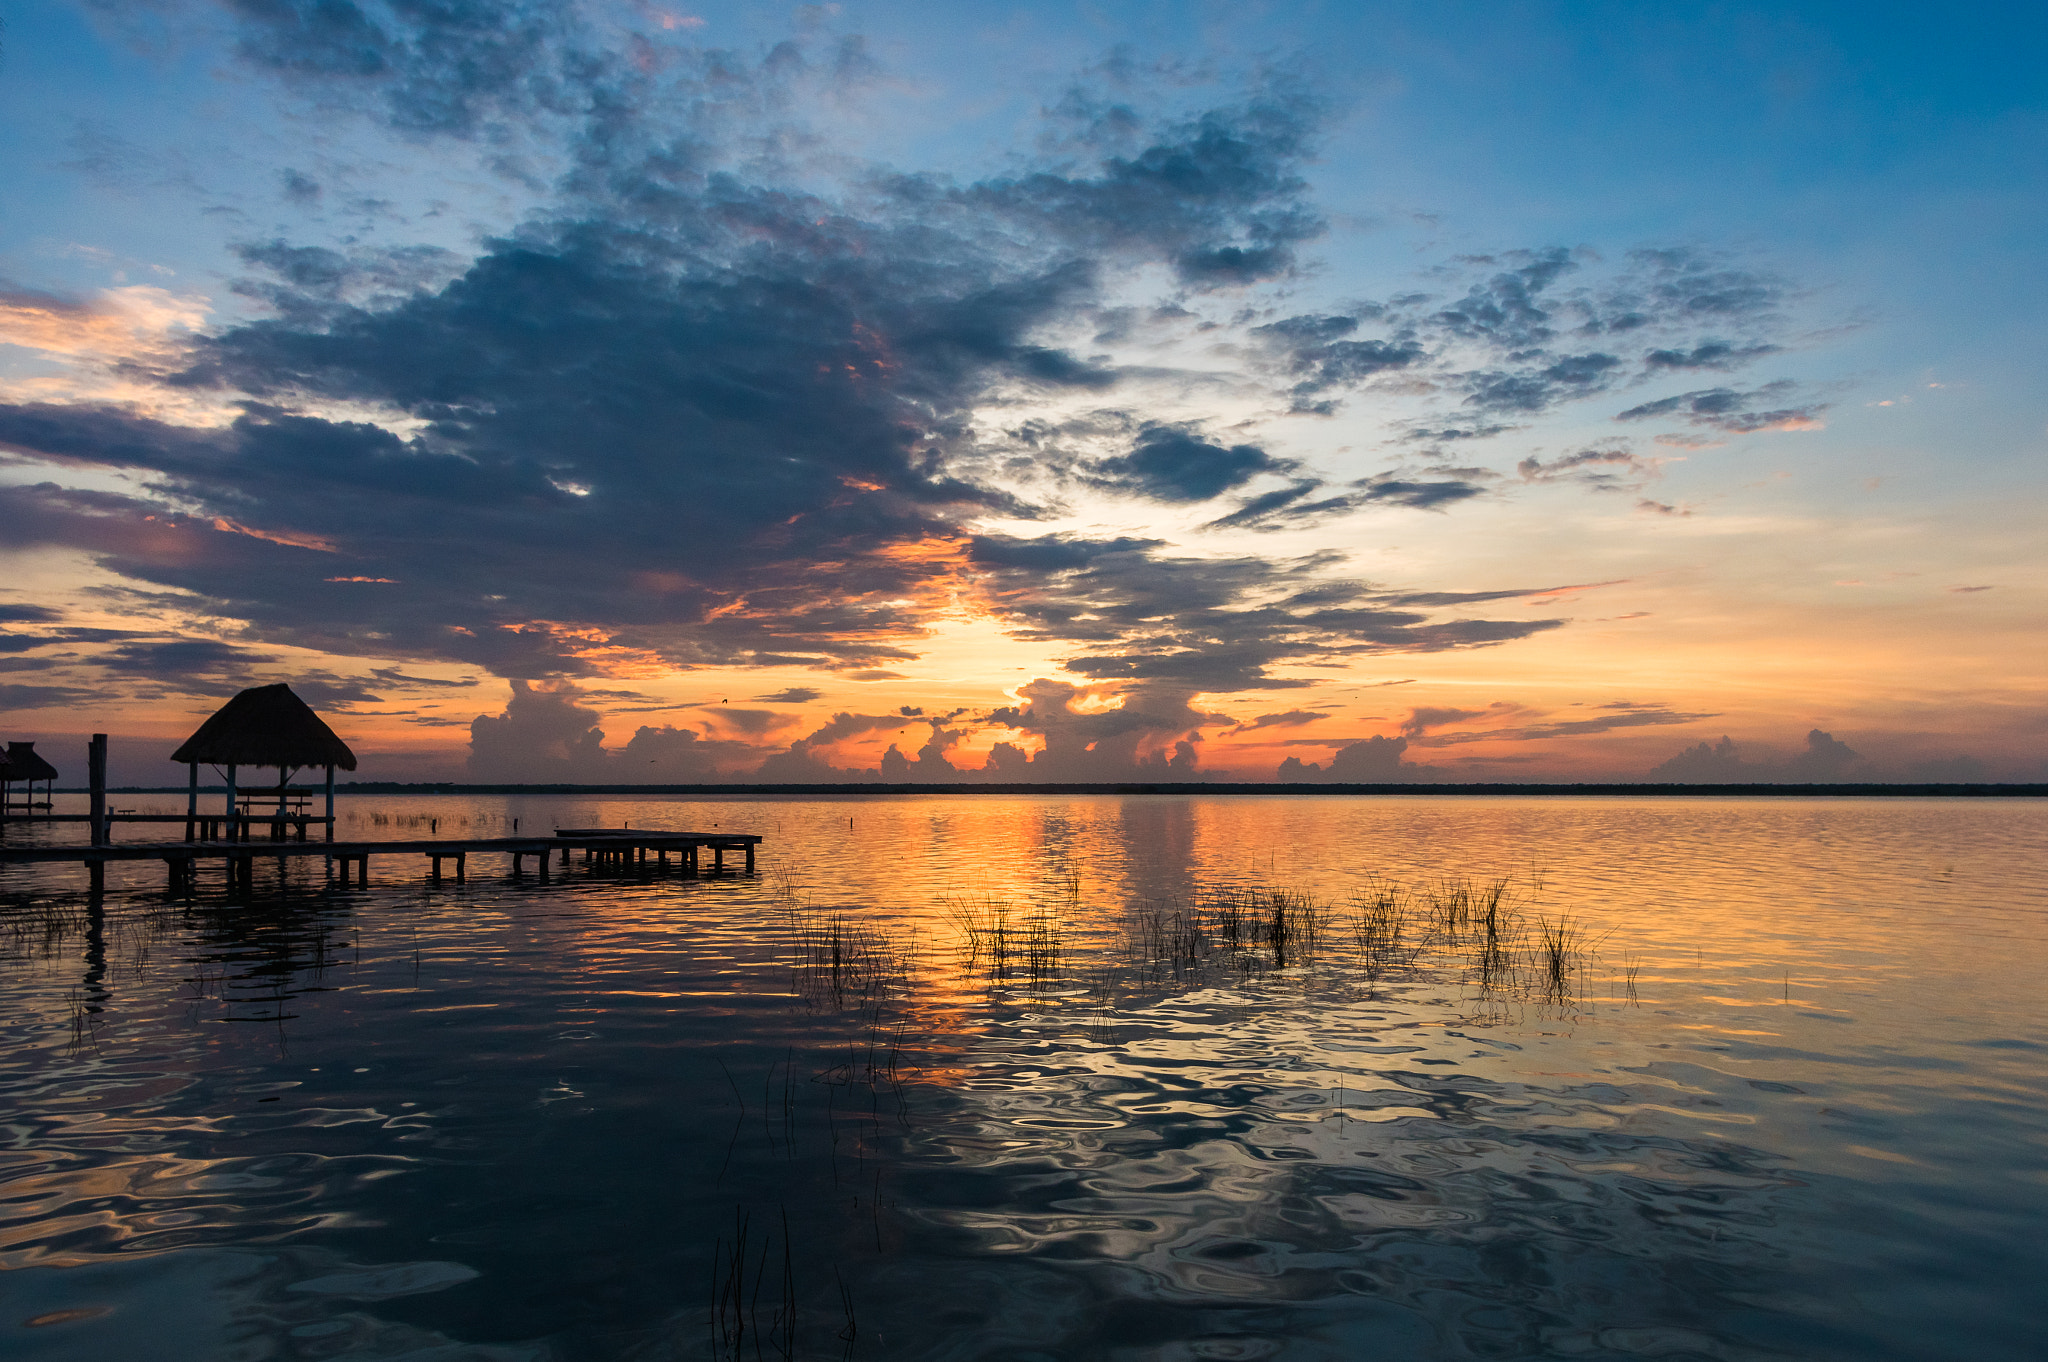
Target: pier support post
x=96 y=779
x=750 y=858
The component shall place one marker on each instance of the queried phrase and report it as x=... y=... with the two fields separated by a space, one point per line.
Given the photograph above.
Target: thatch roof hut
x=22 y=763
x=266 y=726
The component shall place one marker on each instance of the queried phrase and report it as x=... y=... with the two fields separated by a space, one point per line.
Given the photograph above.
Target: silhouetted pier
x=638 y=850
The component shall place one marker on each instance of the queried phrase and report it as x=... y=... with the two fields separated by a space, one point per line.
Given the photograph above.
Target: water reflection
x=1037 y=1078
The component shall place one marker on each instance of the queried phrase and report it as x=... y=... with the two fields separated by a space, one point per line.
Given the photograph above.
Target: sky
x=614 y=391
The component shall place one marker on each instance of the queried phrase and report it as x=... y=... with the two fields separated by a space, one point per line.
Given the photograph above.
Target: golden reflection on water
x=1774 y=997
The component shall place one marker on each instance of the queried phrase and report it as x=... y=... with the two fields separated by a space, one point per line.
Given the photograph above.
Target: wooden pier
x=638 y=850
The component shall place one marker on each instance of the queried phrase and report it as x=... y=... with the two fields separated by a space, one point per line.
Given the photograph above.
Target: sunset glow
x=735 y=396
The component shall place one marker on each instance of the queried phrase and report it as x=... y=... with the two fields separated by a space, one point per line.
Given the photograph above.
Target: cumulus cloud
x=548 y=733
x=1824 y=759
x=1374 y=761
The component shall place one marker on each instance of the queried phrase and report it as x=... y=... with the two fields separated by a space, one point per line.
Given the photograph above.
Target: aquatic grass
x=846 y=962
x=1030 y=945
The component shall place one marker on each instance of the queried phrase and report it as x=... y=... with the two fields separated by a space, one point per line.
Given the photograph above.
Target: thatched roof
x=266 y=726
x=24 y=764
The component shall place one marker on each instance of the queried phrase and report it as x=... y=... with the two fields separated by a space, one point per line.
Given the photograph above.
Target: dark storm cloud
x=1317 y=355
x=43 y=697
x=1208 y=624
x=28 y=614
x=1298 y=503
x=1220 y=200
x=1172 y=464
x=1516 y=342
x=639 y=423
x=699 y=412
x=182 y=657
x=428 y=66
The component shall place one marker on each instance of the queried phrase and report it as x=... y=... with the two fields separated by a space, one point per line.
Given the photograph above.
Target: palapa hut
x=265 y=726
x=20 y=764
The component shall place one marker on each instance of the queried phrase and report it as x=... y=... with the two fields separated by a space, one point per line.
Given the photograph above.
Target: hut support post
x=191 y=797
x=96 y=774
x=330 y=801
x=232 y=827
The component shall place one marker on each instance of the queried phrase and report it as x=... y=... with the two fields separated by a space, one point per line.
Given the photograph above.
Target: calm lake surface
x=1037 y=1078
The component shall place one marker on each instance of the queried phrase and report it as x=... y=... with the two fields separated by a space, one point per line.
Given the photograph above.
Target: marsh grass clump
x=1246 y=931
x=844 y=962
x=42 y=929
x=1559 y=953
x=1380 y=923
x=1007 y=944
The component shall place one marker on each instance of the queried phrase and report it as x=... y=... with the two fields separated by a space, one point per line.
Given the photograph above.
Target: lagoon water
x=1786 y=1095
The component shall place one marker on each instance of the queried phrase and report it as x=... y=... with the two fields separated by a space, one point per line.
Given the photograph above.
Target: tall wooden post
x=233 y=828
x=330 y=801
x=191 y=797
x=96 y=779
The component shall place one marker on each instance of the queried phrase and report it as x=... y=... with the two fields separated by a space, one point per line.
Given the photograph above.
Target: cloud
x=1708 y=355
x=1210 y=624
x=1825 y=759
x=729 y=397
x=392 y=676
x=807 y=759
x=790 y=695
x=1425 y=717
x=1092 y=733
x=629 y=433
x=1620 y=714
x=43 y=697
x=1449 y=434
x=548 y=734
x=1172 y=464
x=1611 y=467
x=1293 y=718
x=1374 y=761
x=1731 y=410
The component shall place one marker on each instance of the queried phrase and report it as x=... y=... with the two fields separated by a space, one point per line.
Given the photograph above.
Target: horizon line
x=1959 y=789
